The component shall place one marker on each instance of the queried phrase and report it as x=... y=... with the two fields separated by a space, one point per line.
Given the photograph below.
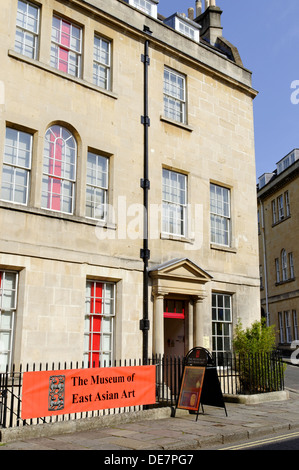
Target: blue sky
x=266 y=33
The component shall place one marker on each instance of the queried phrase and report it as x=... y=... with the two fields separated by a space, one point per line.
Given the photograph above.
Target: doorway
x=174 y=327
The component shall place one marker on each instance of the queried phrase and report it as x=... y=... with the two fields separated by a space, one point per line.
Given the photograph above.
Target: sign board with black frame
x=200 y=383
x=190 y=392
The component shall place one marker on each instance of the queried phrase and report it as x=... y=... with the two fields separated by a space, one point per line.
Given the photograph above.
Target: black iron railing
x=250 y=374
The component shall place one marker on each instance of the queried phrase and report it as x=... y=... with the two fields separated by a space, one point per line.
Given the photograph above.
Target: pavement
x=150 y=431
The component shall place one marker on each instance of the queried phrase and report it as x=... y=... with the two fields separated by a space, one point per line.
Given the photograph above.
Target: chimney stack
x=210 y=21
x=198 y=6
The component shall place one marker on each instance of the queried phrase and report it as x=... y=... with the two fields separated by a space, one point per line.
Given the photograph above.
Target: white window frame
x=49 y=176
x=287 y=203
x=186 y=30
x=280 y=207
x=174 y=203
x=27 y=29
x=291 y=266
x=288 y=326
x=261 y=276
x=274 y=215
x=146 y=6
x=295 y=325
x=277 y=270
x=8 y=313
x=74 y=50
x=222 y=327
x=104 y=355
x=284 y=265
x=174 y=92
x=102 y=62
x=97 y=182
x=286 y=162
x=220 y=215
x=17 y=164
x=281 y=327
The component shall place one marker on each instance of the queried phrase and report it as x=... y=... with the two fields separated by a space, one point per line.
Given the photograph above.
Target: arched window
x=284 y=265
x=59 y=170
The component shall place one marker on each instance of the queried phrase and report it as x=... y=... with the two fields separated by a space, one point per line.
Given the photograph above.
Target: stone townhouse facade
x=108 y=109
x=278 y=212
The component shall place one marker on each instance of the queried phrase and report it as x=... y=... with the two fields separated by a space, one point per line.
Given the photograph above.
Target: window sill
x=228 y=249
x=177 y=238
x=281 y=220
x=176 y=123
x=57 y=215
x=280 y=283
x=47 y=68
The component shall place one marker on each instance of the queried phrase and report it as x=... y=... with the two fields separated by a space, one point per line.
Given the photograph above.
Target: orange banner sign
x=48 y=393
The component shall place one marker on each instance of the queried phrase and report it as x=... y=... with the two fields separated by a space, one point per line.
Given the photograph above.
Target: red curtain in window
x=95 y=323
x=55 y=163
x=65 y=41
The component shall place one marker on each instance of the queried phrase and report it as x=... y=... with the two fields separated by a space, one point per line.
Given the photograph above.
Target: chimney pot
x=191 y=13
x=198 y=7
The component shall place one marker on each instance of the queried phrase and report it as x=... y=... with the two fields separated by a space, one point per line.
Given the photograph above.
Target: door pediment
x=180 y=276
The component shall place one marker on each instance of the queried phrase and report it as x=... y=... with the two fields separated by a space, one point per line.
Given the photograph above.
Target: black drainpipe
x=145 y=185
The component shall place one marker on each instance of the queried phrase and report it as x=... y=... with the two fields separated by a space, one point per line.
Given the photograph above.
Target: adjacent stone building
x=113 y=117
x=278 y=214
